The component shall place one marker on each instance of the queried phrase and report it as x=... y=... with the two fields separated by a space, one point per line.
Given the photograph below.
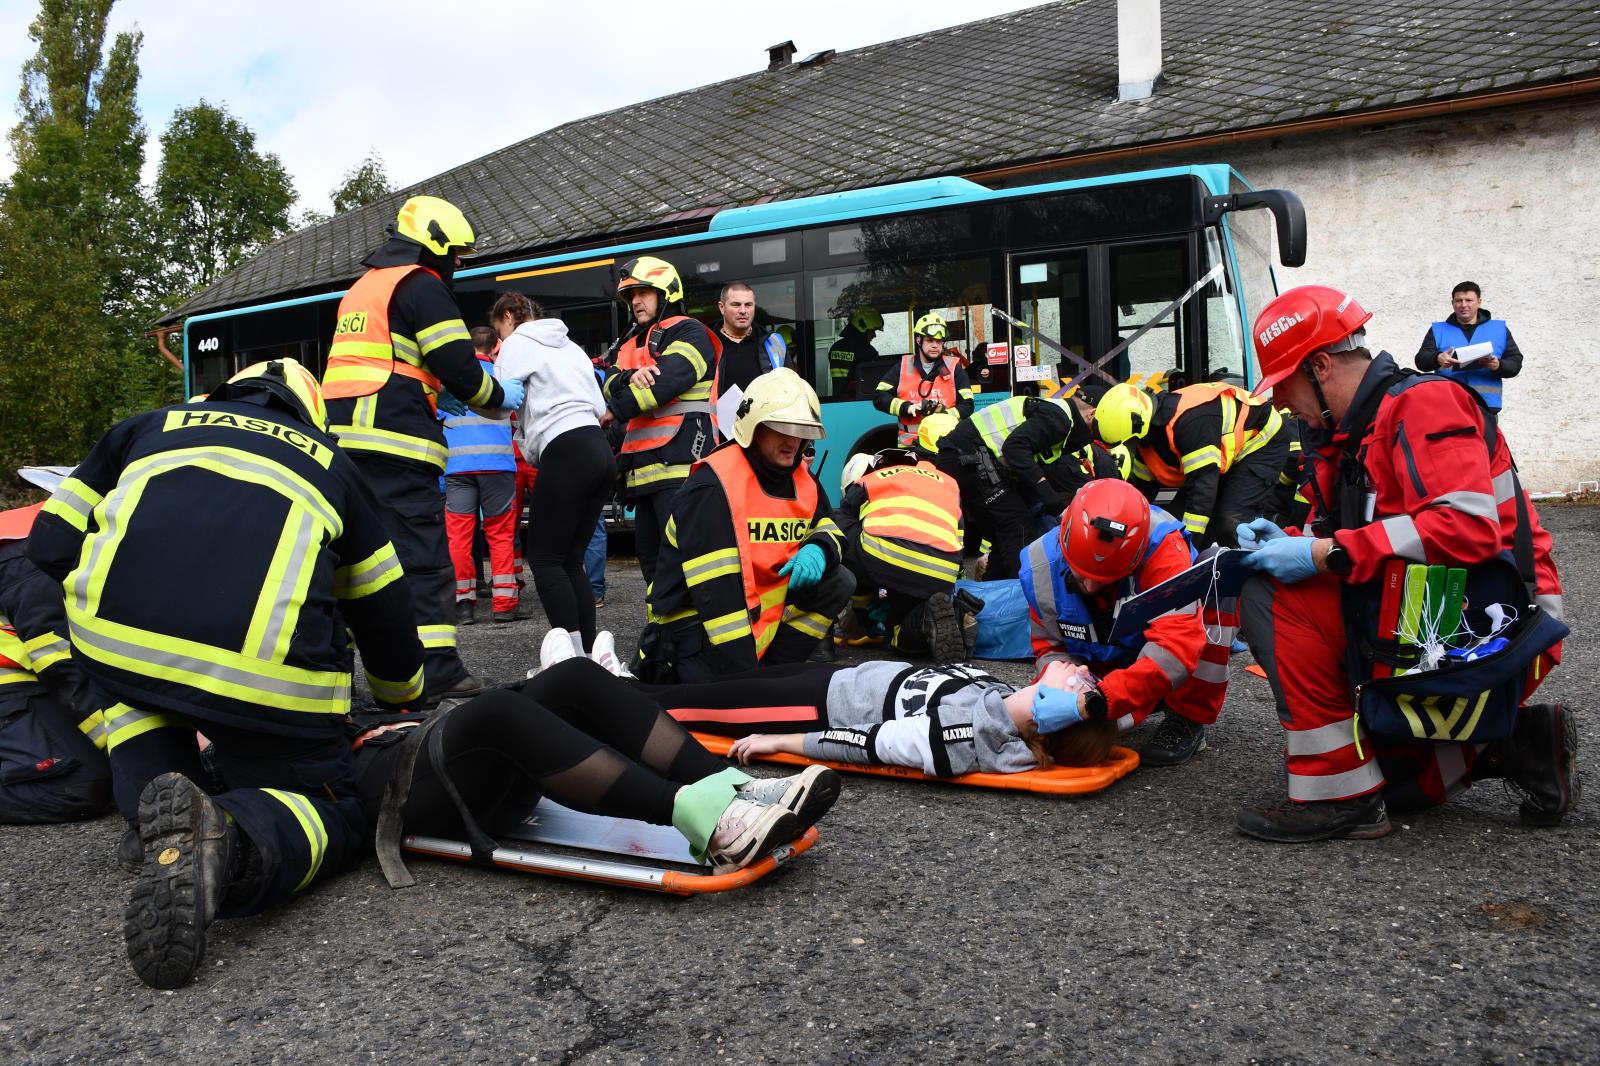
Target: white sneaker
x=557 y=648
x=605 y=653
x=746 y=832
x=807 y=795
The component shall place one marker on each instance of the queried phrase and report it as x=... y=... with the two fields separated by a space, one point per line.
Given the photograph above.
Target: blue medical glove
x=1054 y=709
x=515 y=392
x=1288 y=559
x=450 y=405
x=806 y=567
x=1258 y=531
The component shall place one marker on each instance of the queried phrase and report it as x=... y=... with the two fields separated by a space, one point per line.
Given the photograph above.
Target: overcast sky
x=432 y=85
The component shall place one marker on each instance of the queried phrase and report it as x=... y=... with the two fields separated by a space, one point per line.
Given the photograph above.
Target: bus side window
x=1145 y=277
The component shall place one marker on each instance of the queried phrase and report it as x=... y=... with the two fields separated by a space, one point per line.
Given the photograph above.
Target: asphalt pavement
x=931 y=923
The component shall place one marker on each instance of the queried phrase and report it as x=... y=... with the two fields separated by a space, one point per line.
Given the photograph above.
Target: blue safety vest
x=478 y=445
x=1044 y=583
x=1448 y=334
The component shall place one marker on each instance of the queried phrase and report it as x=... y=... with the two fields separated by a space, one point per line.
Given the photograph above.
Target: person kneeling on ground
x=942 y=720
x=1416 y=473
x=900 y=518
x=1112 y=544
x=749 y=570
x=589 y=741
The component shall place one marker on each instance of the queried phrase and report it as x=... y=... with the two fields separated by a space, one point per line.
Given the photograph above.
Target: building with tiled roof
x=1428 y=140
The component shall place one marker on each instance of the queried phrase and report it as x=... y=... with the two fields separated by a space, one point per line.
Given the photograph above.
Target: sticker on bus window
x=998 y=354
x=1022 y=355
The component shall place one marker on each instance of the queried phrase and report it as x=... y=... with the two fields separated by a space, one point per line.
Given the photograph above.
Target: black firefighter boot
x=968 y=607
x=1539 y=763
x=941 y=629
x=191 y=852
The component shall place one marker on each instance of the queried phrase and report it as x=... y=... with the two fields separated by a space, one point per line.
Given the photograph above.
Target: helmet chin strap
x=1322 y=400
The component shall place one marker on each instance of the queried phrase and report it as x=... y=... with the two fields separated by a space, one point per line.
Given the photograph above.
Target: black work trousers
x=413 y=515
x=995 y=505
x=1247 y=491
x=650 y=514
x=49 y=771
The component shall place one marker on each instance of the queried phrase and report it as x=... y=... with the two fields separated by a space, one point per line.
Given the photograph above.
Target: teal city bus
x=1155 y=275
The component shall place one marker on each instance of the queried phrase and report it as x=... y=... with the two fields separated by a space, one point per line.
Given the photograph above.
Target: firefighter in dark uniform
x=925 y=381
x=52 y=764
x=1012 y=458
x=900 y=518
x=242 y=635
x=853 y=348
x=666 y=367
x=398 y=344
x=750 y=570
x=1223 y=447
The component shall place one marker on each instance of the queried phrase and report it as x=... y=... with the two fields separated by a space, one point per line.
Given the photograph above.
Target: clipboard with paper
x=1219 y=575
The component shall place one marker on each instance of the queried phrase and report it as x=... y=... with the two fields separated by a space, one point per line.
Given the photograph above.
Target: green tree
x=361 y=186
x=218 y=199
x=75 y=286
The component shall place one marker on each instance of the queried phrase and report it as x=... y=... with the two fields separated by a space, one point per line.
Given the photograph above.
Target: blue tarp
x=1003 y=622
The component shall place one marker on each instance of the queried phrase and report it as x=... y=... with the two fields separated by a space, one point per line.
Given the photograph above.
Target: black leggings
x=772 y=699
x=574 y=732
x=576 y=475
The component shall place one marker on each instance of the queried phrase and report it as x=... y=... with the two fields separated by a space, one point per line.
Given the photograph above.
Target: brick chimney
x=780 y=55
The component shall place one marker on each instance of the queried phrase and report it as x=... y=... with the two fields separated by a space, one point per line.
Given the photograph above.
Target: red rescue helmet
x=1105 y=529
x=1307 y=319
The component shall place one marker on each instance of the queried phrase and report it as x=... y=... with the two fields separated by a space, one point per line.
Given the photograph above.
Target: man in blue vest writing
x=1470 y=325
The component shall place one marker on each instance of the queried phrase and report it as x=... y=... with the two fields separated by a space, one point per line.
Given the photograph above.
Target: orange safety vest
x=914 y=388
x=913 y=503
x=363 y=354
x=15 y=524
x=656 y=429
x=1190 y=397
x=767 y=530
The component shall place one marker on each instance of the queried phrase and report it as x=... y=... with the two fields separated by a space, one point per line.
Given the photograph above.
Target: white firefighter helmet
x=782 y=399
x=854 y=467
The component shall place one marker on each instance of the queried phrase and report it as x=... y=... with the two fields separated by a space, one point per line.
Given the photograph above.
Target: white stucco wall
x=1511 y=200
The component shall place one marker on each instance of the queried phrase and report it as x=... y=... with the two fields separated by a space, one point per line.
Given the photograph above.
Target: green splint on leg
x=699 y=806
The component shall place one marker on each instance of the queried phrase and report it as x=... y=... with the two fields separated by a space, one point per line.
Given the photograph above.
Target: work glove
x=448 y=403
x=1287 y=558
x=1052 y=501
x=1054 y=709
x=806 y=567
x=515 y=392
x=1258 y=531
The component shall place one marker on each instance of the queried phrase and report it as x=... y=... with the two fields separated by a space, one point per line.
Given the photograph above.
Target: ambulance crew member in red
x=480 y=477
x=750 y=570
x=242 y=637
x=400 y=342
x=667 y=365
x=927 y=380
x=1222 y=447
x=1410 y=474
x=1112 y=544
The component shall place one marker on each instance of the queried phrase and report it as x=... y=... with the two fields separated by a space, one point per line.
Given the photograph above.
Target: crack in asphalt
x=601 y=1018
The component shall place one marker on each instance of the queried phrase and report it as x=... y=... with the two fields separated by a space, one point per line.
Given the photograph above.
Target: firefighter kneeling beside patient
x=750 y=570
x=244 y=638
x=900 y=517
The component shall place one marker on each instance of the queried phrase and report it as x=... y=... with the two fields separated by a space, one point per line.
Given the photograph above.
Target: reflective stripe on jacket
x=912 y=520
x=767 y=531
x=364 y=352
x=1238 y=440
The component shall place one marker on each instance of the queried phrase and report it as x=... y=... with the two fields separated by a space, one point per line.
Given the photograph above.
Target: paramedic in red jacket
x=1113 y=544
x=1426 y=480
